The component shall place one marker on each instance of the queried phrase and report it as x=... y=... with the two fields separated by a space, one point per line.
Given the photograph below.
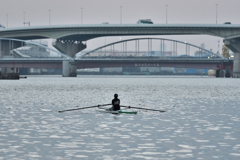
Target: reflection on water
x=202 y=119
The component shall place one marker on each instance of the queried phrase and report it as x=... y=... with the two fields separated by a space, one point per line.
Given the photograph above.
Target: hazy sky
x=98 y=11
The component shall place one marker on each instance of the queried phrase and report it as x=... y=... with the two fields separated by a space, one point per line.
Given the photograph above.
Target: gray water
x=202 y=118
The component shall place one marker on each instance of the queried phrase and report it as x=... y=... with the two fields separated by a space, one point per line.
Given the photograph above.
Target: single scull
x=116 y=112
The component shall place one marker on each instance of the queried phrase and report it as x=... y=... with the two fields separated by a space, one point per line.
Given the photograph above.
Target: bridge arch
x=15 y=44
x=161 y=43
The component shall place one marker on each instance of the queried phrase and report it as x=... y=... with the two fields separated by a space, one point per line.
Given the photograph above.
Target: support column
x=234 y=45
x=236 y=65
x=228 y=71
x=70 y=48
x=220 y=73
x=6 y=47
x=69 y=69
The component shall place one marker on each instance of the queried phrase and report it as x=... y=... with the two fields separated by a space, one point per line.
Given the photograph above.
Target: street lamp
x=49 y=17
x=81 y=15
x=24 y=19
x=120 y=14
x=7 y=20
x=166 y=14
x=216 y=12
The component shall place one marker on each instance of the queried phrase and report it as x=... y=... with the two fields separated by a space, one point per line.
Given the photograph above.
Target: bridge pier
x=219 y=73
x=234 y=45
x=228 y=71
x=6 y=47
x=69 y=69
x=70 y=48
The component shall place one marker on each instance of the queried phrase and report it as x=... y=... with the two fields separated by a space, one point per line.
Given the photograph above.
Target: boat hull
x=117 y=112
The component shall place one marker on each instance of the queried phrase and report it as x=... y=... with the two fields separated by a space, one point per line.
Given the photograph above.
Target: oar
x=143 y=108
x=83 y=108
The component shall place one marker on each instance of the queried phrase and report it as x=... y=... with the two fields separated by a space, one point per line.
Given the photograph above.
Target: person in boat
x=115 y=103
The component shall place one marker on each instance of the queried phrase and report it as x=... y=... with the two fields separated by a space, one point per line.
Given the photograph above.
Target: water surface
x=201 y=121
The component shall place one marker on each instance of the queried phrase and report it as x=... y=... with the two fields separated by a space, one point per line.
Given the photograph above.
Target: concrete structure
x=86 y=32
x=6 y=47
x=69 y=69
x=234 y=45
x=77 y=34
x=71 y=48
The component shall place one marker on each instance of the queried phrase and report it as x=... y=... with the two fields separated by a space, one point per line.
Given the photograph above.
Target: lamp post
x=166 y=14
x=49 y=17
x=24 y=19
x=7 y=20
x=120 y=14
x=216 y=13
x=81 y=15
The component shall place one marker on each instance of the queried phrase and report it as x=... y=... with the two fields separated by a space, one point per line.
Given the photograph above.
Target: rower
x=115 y=103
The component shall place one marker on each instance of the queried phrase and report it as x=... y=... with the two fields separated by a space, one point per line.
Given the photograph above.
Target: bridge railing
x=153 y=58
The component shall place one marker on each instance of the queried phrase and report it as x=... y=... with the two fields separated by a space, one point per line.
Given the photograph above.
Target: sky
x=97 y=11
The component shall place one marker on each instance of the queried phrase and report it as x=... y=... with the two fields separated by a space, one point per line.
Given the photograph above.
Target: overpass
x=72 y=33
x=70 y=38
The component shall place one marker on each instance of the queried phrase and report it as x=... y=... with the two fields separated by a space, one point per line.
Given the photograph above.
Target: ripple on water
x=201 y=121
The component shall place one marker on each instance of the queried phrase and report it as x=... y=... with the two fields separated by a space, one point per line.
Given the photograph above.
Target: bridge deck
x=212 y=63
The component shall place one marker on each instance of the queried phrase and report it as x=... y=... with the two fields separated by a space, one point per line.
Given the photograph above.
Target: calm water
x=202 y=118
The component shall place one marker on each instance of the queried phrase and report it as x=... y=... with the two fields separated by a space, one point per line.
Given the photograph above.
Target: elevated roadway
x=86 y=32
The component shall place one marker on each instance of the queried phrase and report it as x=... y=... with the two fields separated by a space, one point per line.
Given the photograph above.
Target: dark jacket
x=116 y=104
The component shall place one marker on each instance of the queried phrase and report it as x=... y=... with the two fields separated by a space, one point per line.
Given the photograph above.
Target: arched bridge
x=129 y=53
x=150 y=44
x=126 y=53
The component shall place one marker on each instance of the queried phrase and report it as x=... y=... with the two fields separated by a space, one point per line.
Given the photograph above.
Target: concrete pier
x=69 y=69
x=228 y=71
x=234 y=45
x=236 y=65
x=70 y=48
x=220 y=73
x=6 y=47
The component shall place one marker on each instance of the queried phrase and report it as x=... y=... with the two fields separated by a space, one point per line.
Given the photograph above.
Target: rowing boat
x=116 y=112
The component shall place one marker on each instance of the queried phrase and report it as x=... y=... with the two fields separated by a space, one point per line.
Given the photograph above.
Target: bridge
x=182 y=55
x=71 y=33
x=198 y=63
x=70 y=38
